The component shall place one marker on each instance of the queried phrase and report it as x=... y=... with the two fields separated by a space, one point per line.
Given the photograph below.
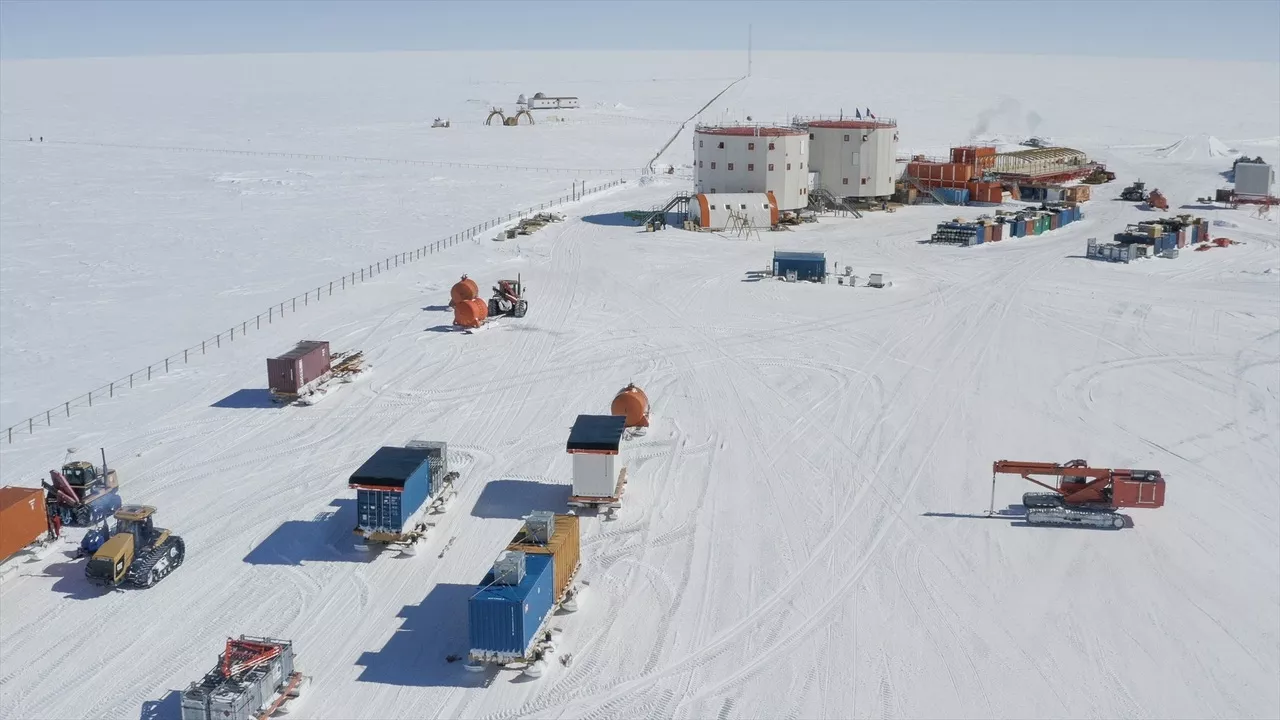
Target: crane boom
x=1082 y=495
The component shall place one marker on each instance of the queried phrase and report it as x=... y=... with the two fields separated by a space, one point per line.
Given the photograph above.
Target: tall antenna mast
x=748 y=51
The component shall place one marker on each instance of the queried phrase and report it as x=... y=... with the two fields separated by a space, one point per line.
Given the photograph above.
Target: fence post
x=31 y=425
x=90 y=398
x=148 y=372
x=201 y=352
x=330 y=288
x=48 y=417
x=306 y=300
x=344 y=281
x=68 y=405
x=257 y=322
x=233 y=339
x=130 y=379
x=10 y=434
x=184 y=355
x=361 y=274
x=112 y=391
x=295 y=304
x=244 y=327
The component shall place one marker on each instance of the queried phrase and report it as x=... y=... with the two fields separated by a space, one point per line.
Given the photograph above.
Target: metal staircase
x=931 y=192
x=822 y=200
x=678 y=202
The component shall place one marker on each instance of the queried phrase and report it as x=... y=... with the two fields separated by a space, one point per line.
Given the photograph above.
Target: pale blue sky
x=1212 y=29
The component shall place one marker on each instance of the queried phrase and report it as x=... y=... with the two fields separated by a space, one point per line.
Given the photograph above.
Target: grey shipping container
x=291 y=372
x=1254 y=179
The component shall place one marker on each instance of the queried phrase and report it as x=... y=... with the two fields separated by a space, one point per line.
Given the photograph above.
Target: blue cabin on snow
x=806 y=265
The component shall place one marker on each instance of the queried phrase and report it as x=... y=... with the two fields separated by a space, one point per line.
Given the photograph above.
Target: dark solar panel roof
x=597 y=432
x=390 y=466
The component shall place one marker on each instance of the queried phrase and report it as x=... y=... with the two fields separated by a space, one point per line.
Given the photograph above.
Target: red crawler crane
x=1084 y=495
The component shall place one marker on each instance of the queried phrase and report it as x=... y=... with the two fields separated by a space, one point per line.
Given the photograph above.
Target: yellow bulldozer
x=137 y=553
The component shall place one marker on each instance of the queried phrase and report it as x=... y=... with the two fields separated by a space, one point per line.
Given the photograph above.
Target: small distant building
x=722 y=210
x=1254 y=179
x=854 y=157
x=541 y=101
x=810 y=266
x=753 y=159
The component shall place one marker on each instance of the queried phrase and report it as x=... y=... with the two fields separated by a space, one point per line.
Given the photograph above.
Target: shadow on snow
x=513 y=499
x=418 y=653
x=168 y=708
x=247 y=399
x=328 y=537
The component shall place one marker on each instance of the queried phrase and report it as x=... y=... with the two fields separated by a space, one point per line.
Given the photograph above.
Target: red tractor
x=508 y=299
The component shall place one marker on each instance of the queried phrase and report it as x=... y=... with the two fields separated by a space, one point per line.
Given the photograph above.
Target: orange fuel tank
x=470 y=313
x=464 y=289
x=632 y=402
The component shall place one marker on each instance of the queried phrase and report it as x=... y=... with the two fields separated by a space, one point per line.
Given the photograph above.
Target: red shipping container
x=290 y=372
x=997 y=231
x=23 y=519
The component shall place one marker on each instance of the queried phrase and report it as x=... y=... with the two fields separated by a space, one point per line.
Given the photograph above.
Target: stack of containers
x=528 y=582
x=958 y=233
x=545 y=533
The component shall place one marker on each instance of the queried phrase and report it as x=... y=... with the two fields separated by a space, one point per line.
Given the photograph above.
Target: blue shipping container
x=502 y=619
x=954 y=196
x=391 y=487
x=1020 y=228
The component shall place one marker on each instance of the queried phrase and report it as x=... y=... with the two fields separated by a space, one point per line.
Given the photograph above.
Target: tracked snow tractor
x=1137 y=192
x=138 y=553
x=1084 y=495
x=508 y=299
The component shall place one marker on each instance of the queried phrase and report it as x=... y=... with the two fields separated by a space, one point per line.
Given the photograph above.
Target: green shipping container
x=1044 y=223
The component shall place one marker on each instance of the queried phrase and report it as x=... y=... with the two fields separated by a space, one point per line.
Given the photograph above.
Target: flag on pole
x=858 y=113
x=873 y=117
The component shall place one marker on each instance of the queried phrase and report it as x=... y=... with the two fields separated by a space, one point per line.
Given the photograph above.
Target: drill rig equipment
x=1083 y=495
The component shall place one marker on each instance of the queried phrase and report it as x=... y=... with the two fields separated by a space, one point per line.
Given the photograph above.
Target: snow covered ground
x=803 y=533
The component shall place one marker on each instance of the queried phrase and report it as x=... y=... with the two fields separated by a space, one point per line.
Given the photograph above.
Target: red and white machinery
x=1083 y=495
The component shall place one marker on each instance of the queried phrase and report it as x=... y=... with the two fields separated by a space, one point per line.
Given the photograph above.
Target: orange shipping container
x=23 y=519
x=565 y=547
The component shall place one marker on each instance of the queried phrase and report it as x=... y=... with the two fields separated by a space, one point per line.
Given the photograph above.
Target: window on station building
x=810 y=136
x=751 y=167
x=713 y=164
x=720 y=146
x=864 y=181
x=788 y=166
x=846 y=138
x=730 y=166
x=771 y=147
x=744 y=206
x=699 y=143
x=845 y=181
x=770 y=167
x=751 y=146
